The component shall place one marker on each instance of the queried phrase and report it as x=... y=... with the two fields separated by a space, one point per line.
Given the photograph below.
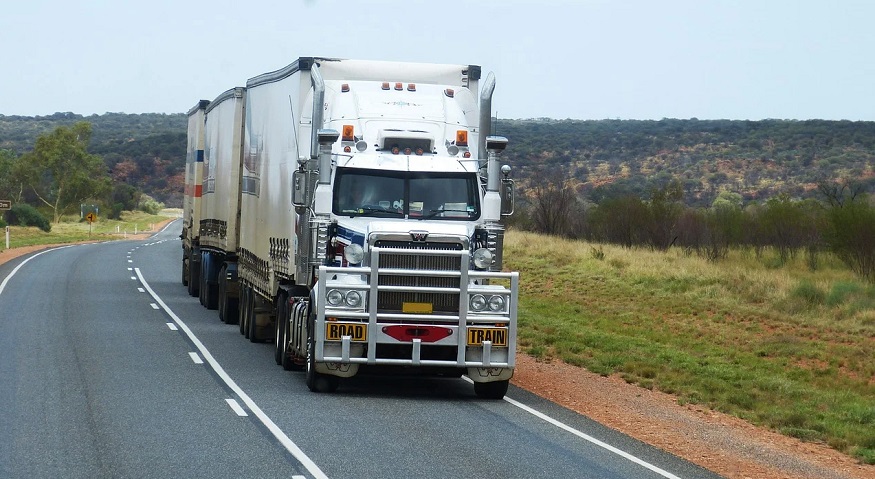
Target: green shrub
x=23 y=214
x=809 y=293
x=150 y=205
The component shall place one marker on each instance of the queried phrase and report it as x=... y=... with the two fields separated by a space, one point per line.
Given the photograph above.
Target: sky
x=584 y=59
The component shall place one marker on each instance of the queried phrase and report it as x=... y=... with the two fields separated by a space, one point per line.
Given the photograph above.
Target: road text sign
x=5 y=204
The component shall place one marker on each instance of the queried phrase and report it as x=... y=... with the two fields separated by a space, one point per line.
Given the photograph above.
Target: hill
x=757 y=159
x=144 y=150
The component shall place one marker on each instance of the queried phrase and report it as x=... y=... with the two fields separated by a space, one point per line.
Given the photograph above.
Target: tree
x=61 y=173
x=9 y=187
x=553 y=201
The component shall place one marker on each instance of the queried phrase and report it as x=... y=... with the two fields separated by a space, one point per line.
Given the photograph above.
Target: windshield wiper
x=370 y=211
x=431 y=214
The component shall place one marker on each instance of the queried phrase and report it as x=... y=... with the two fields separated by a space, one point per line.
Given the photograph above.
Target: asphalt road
x=109 y=369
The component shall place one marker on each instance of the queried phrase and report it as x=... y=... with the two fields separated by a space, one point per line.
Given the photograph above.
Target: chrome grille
x=392 y=301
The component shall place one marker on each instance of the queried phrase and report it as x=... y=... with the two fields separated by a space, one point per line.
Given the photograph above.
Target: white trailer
x=369 y=229
x=191 y=202
x=220 y=204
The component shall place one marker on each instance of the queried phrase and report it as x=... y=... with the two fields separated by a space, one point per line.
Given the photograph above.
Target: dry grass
x=784 y=346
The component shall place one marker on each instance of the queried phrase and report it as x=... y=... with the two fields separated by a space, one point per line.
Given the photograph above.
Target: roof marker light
x=399 y=86
x=411 y=87
x=385 y=85
x=344 y=88
x=348 y=133
x=449 y=92
x=462 y=138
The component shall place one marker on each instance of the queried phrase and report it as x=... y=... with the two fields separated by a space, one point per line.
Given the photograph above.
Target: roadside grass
x=73 y=230
x=784 y=347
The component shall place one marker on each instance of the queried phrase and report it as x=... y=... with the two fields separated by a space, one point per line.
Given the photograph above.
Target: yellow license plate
x=417 y=308
x=498 y=336
x=336 y=331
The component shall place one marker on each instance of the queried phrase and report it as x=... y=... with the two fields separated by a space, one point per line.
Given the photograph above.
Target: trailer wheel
x=244 y=309
x=493 y=390
x=193 y=280
x=251 y=323
x=282 y=308
x=318 y=382
x=222 y=293
x=184 y=270
x=227 y=306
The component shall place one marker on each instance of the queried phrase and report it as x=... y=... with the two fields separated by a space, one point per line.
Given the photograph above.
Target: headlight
x=482 y=258
x=478 y=302
x=353 y=299
x=496 y=303
x=354 y=254
x=334 y=297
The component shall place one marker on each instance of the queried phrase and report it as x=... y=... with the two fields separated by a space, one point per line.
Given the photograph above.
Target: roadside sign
x=5 y=204
x=91 y=217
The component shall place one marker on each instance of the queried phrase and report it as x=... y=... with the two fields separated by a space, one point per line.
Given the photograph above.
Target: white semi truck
x=354 y=208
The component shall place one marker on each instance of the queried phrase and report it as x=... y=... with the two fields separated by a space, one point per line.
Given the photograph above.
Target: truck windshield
x=416 y=195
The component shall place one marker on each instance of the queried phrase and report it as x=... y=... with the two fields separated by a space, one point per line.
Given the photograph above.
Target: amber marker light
x=462 y=138
x=348 y=133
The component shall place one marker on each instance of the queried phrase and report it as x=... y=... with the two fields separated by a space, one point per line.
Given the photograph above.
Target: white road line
x=141 y=290
x=271 y=426
x=15 y=270
x=195 y=358
x=172 y=327
x=587 y=437
x=154 y=306
x=130 y=269
x=134 y=278
x=236 y=407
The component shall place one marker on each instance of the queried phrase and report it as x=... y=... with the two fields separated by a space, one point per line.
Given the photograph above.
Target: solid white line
x=6 y=280
x=197 y=359
x=154 y=306
x=593 y=440
x=278 y=433
x=587 y=437
x=236 y=407
x=172 y=327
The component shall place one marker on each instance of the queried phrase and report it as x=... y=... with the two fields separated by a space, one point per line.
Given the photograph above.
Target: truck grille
x=391 y=301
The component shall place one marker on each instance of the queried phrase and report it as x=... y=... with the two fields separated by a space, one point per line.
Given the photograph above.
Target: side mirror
x=507 y=196
x=299 y=189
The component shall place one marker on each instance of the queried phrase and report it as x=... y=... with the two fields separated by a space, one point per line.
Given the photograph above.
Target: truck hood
x=357 y=230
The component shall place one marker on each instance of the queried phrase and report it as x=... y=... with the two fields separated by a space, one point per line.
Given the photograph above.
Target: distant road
x=109 y=369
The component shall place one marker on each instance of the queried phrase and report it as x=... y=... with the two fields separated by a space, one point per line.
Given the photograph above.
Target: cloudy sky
x=584 y=59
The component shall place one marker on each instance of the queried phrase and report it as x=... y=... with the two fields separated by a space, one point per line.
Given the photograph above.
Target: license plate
x=417 y=308
x=336 y=331
x=498 y=336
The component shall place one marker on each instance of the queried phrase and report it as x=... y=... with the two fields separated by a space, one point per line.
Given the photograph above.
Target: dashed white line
x=141 y=290
x=236 y=407
x=271 y=426
x=134 y=278
x=172 y=327
x=195 y=358
x=155 y=306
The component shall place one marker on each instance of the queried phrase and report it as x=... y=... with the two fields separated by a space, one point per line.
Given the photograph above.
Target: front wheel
x=318 y=382
x=493 y=390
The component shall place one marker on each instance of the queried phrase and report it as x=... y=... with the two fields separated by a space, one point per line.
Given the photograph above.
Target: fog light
x=496 y=303
x=334 y=297
x=478 y=302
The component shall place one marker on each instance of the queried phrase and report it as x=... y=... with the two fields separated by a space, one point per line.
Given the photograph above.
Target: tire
x=318 y=382
x=222 y=299
x=229 y=308
x=282 y=312
x=244 y=307
x=184 y=271
x=493 y=390
x=251 y=323
x=193 y=280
